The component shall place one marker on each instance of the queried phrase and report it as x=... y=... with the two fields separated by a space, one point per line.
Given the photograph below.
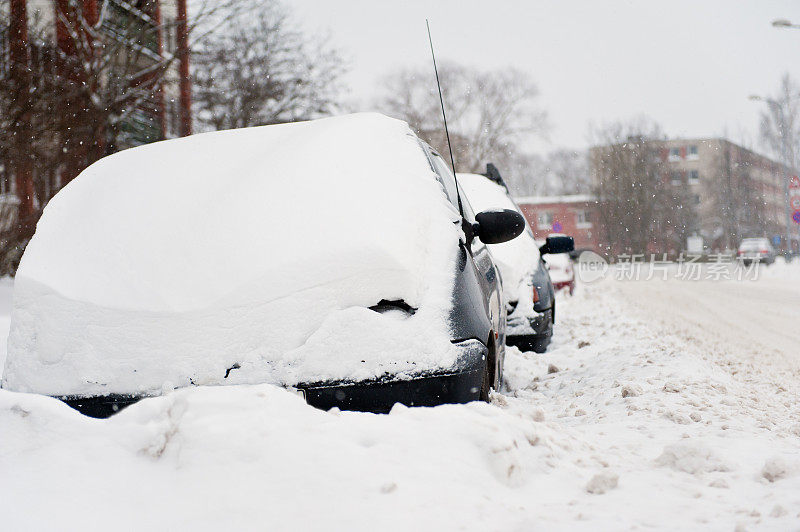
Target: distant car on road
x=528 y=290
x=562 y=272
x=333 y=257
x=756 y=250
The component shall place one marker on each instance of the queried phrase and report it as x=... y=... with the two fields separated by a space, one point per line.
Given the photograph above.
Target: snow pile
x=258 y=249
x=236 y=457
x=672 y=427
x=517 y=258
x=781 y=269
x=626 y=423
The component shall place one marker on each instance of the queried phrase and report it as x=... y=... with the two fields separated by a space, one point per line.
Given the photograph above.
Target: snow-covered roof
x=516 y=258
x=256 y=249
x=541 y=200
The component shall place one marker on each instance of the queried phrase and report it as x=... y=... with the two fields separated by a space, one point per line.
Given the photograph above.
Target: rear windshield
x=754 y=243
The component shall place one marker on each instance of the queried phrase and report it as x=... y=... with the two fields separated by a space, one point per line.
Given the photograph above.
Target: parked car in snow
x=561 y=270
x=334 y=257
x=527 y=288
x=756 y=250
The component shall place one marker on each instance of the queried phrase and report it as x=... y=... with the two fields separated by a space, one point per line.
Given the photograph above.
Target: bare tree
x=635 y=207
x=780 y=131
x=780 y=122
x=568 y=172
x=72 y=94
x=737 y=208
x=490 y=113
x=258 y=69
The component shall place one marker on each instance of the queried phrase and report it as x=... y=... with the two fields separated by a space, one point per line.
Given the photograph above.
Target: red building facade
x=571 y=215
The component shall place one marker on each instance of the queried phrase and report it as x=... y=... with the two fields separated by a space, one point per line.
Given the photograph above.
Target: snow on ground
x=639 y=416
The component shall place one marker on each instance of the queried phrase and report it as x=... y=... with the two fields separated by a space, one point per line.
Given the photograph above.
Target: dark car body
x=545 y=307
x=477 y=322
x=530 y=309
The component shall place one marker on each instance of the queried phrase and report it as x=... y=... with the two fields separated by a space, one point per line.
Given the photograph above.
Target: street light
x=785 y=151
x=783 y=23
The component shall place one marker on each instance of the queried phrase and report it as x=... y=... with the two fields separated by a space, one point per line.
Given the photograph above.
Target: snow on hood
x=256 y=249
x=517 y=258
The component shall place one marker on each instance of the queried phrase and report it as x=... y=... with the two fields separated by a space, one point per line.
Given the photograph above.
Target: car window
x=446 y=176
x=754 y=243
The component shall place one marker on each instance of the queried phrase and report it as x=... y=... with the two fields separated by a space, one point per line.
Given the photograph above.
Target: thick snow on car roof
x=517 y=258
x=257 y=249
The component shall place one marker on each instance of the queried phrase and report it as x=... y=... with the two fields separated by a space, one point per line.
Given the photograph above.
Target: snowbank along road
x=660 y=405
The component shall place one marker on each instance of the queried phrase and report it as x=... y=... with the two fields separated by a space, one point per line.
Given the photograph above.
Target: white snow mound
x=260 y=248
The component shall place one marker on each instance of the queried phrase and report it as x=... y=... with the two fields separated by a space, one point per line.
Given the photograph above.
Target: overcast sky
x=689 y=65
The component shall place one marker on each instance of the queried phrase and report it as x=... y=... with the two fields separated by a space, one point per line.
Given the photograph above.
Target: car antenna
x=444 y=119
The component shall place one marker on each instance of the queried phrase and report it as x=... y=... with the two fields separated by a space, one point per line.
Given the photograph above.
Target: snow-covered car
x=756 y=250
x=330 y=257
x=561 y=270
x=527 y=288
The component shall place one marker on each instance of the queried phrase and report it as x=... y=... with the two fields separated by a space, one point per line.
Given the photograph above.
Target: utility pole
x=783 y=23
x=788 y=164
x=184 y=81
x=787 y=160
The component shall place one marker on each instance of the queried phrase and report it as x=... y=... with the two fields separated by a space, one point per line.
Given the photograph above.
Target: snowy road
x=754 y=319
x=661 y=405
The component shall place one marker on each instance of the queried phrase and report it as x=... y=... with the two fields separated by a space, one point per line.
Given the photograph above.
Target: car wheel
x=540 y=343
x=488 y=372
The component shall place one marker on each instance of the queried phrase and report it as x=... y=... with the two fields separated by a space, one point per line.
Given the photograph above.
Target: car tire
x=488 y=373
x=537 y=343
x=540 y=343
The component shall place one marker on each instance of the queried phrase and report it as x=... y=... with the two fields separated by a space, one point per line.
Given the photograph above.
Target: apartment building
x=573 y=215
x=735 y=192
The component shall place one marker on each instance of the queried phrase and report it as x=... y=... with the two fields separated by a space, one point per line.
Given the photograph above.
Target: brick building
x=40 y=37
x=573 y=215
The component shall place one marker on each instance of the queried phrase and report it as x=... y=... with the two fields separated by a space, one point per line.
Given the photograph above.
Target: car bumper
x=460 y=384
x=563 y=284
x=380 y=397
x=538 y=326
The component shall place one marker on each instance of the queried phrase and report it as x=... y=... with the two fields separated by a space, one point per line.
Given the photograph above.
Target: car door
x=479 y=259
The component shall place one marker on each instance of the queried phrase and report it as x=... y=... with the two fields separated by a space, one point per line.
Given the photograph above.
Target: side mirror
x=557 y=244
x=498 y=226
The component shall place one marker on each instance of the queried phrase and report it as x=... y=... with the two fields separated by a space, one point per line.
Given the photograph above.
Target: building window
x=675 y=179
x=173 y=118
x=582 y=219
x=170 y=36
x=696 y=199
x=694 y=177
x=5 y=182
x=125 y=21
x=545 y=220
x=692 y=153
x=675 y=154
